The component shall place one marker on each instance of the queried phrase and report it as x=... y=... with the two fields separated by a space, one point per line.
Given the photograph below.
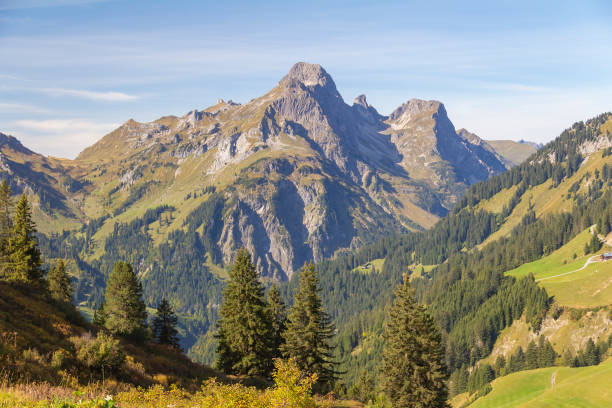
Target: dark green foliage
x=6 y=222
x=480 y=377
x=125 y=311
x=278 y=314
x=310 y=331
x=59 y=284
x=364 y=390
x=531 y=356
x=244 y=334
x=24 y=259
x=99 y=316
x=413 y=371
x=500 y=365
x=164 y=325
x=593 y=245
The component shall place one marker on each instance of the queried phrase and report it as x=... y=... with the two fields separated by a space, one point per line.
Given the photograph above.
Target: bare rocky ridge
x=301 y=173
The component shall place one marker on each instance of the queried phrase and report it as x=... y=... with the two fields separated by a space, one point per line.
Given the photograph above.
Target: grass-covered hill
x=548 y=387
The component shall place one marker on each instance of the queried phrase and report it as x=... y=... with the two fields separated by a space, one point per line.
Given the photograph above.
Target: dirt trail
x=552 y=379
x=589 y=261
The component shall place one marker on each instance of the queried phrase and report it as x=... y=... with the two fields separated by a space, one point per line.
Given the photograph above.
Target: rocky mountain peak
x=361 y=100
x=311 y=75
x=401 y=116
x=13 y=144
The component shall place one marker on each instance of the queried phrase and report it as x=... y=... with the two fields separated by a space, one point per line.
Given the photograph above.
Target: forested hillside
x=468 y=293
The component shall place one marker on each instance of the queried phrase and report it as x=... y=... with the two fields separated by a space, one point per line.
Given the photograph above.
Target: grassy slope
x=543 y=199
x=512 y=151
x=574 y=387
x=44 y=327
x=585 y=288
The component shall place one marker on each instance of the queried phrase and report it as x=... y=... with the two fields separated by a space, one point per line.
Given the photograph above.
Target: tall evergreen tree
x=244 y=331
x=59 y=284
x=24 y=259
x=164 y=325
x=99 y=316
x=278 y=313
x=310 y=331
x=413 y=370
x=6 y=222
x=125 y=311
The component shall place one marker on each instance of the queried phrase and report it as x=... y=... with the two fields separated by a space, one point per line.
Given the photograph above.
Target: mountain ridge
x=298 y=143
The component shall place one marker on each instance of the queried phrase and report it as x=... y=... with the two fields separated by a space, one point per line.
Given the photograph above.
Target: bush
x=58 y=357
x=101 y=353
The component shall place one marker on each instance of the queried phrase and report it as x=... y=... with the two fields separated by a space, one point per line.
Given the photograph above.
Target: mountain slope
x=514 y=218
x=513 y=152
x=47 y=180
x=297 y=173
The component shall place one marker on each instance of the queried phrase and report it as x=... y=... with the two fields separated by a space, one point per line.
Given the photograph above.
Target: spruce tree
x=24 y=259
x=59 y=284
x=278 y=314
x=99 y=316
x=310 y=331
x=125 y=311
x=244 y=330
x=413 y=370
x=531 y=356
x=164 y=325
x=6 y=222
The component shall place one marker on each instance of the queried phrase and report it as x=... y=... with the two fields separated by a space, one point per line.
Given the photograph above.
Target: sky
x=73 y=70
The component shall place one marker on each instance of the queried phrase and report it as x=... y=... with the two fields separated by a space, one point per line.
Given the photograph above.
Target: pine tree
x=59 y=284
x=164 y=325
x=124 y=308
x=6 y=222
x=413 y=370
x=24 y=259
x=531 y=356
x=278 y=314
x=310 y=331
x=99 y=316
x=244 y=331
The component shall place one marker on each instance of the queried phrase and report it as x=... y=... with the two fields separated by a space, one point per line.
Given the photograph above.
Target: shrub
x=101 y=353
x=58 y=357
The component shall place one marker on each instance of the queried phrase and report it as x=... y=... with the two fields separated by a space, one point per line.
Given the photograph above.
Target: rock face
x=301 y=173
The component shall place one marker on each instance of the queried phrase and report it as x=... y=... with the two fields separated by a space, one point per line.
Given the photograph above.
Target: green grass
x=590 y=287
x=560 y=261
x=574 y=387
x=376 y=263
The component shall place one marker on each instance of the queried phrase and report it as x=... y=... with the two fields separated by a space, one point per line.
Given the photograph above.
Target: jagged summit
x=361 y=100
x=309 y=75
x=405 y=112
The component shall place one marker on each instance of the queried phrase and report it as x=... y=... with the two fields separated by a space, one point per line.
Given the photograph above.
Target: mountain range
x=294 y=175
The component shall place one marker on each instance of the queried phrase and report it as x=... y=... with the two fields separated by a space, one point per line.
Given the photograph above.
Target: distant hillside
x=513 y=152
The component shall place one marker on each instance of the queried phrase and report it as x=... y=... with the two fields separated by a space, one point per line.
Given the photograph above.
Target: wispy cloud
x=110 y=96
x=8 y=107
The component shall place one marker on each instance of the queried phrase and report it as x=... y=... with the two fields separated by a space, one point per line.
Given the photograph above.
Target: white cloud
x=7 y=107
x=110 y=96
x=60 y=137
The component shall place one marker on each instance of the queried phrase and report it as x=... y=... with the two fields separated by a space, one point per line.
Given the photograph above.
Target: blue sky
x=73 y=70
